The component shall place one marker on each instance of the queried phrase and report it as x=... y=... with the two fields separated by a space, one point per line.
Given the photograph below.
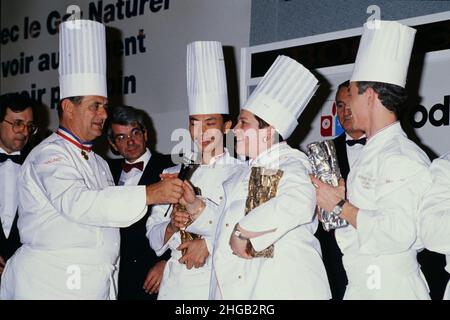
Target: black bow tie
x=351 y=143
x=16 y=158
x=128 y=166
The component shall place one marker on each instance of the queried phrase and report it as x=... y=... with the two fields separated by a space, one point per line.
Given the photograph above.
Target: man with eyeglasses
x=70 y=210
x=141 y=270
x=16 y=126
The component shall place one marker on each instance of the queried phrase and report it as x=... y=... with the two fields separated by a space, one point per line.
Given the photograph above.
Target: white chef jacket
x=178 y=282
x=9 y=171
x=435 y=212
x=296 y=271
x=69 y=218
x=387 y=183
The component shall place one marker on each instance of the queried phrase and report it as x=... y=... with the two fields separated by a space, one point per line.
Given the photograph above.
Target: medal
x=84 y=154
x=85 y=147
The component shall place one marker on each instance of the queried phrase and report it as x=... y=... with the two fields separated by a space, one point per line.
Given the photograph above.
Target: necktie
x=14 y=158
x=351 y=143
x=128 y=166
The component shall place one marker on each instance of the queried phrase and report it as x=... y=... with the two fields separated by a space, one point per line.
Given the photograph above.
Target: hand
x=192 y=203
x=165 y=176
x=328 y=196
x=179 y=219
x=165 y=191
x=2 y=264
x=189 y=196
x=196 y=253
x=154 y=277
x=239 y=247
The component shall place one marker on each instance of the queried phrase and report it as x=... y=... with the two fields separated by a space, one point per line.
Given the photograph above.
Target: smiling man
x=188 y=276
x=69 y=209
x=140 y=270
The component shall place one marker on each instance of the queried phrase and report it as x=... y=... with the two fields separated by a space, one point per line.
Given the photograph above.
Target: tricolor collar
x=70 y=137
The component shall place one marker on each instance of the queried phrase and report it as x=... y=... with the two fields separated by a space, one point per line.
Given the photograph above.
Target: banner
x=146 y=44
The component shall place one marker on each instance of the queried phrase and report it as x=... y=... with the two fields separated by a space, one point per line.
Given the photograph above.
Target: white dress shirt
x=9 y=171
x=353 y=151
x=132 y=177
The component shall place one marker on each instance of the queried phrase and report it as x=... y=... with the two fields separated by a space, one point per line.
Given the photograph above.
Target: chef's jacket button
x=227 y=225
x=239 y=277
x=220 y=198
x=210 y=221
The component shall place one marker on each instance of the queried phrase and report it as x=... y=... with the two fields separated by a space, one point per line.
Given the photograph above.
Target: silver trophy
x=322 y=156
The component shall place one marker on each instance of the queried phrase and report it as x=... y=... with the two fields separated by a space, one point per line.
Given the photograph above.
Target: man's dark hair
x=15 y=102
x=345 y=84
x=75 y=100
x=261 y=123
x=392 y=97
x=124 y=115
x=226 y=117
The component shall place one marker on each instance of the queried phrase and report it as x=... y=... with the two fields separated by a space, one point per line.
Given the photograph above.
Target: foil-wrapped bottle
x=322 y=155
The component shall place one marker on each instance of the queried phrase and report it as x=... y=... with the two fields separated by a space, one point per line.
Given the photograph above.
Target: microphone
x=188 y=167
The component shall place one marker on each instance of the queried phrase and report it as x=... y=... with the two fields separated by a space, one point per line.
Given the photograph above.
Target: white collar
x=144 y=158
x=268 y=155
x=11 y=154
x=223 y=158
x=385 y=132
x=349 y=137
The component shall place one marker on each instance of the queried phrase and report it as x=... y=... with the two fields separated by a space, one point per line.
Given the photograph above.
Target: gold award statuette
x=187 y=169
x=262 y=187
x=186 y=236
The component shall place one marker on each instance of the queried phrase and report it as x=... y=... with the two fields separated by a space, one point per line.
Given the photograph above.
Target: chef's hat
x=282 y=95
x=206 y=79
x=82 y=59
x=384 y=53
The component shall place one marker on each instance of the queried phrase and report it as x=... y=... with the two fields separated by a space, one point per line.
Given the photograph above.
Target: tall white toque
x=206 y=78
x=282 y=95
x=82 y=59
x=384 y=53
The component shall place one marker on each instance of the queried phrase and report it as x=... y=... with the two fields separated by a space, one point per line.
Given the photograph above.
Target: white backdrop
x=433 y=77
x=157 y=68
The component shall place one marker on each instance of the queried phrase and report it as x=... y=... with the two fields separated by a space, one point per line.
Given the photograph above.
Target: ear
x=113 y=145
x=227 y=126
x=67 y=108
x=371 y=96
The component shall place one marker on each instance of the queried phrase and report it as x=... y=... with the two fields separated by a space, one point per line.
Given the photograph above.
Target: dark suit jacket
x=136 y=255
x=9 y=245
x=331 y=254
x=341 y=153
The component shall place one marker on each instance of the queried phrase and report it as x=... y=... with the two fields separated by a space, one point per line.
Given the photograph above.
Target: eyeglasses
x=19 y=126
x=136 y=133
